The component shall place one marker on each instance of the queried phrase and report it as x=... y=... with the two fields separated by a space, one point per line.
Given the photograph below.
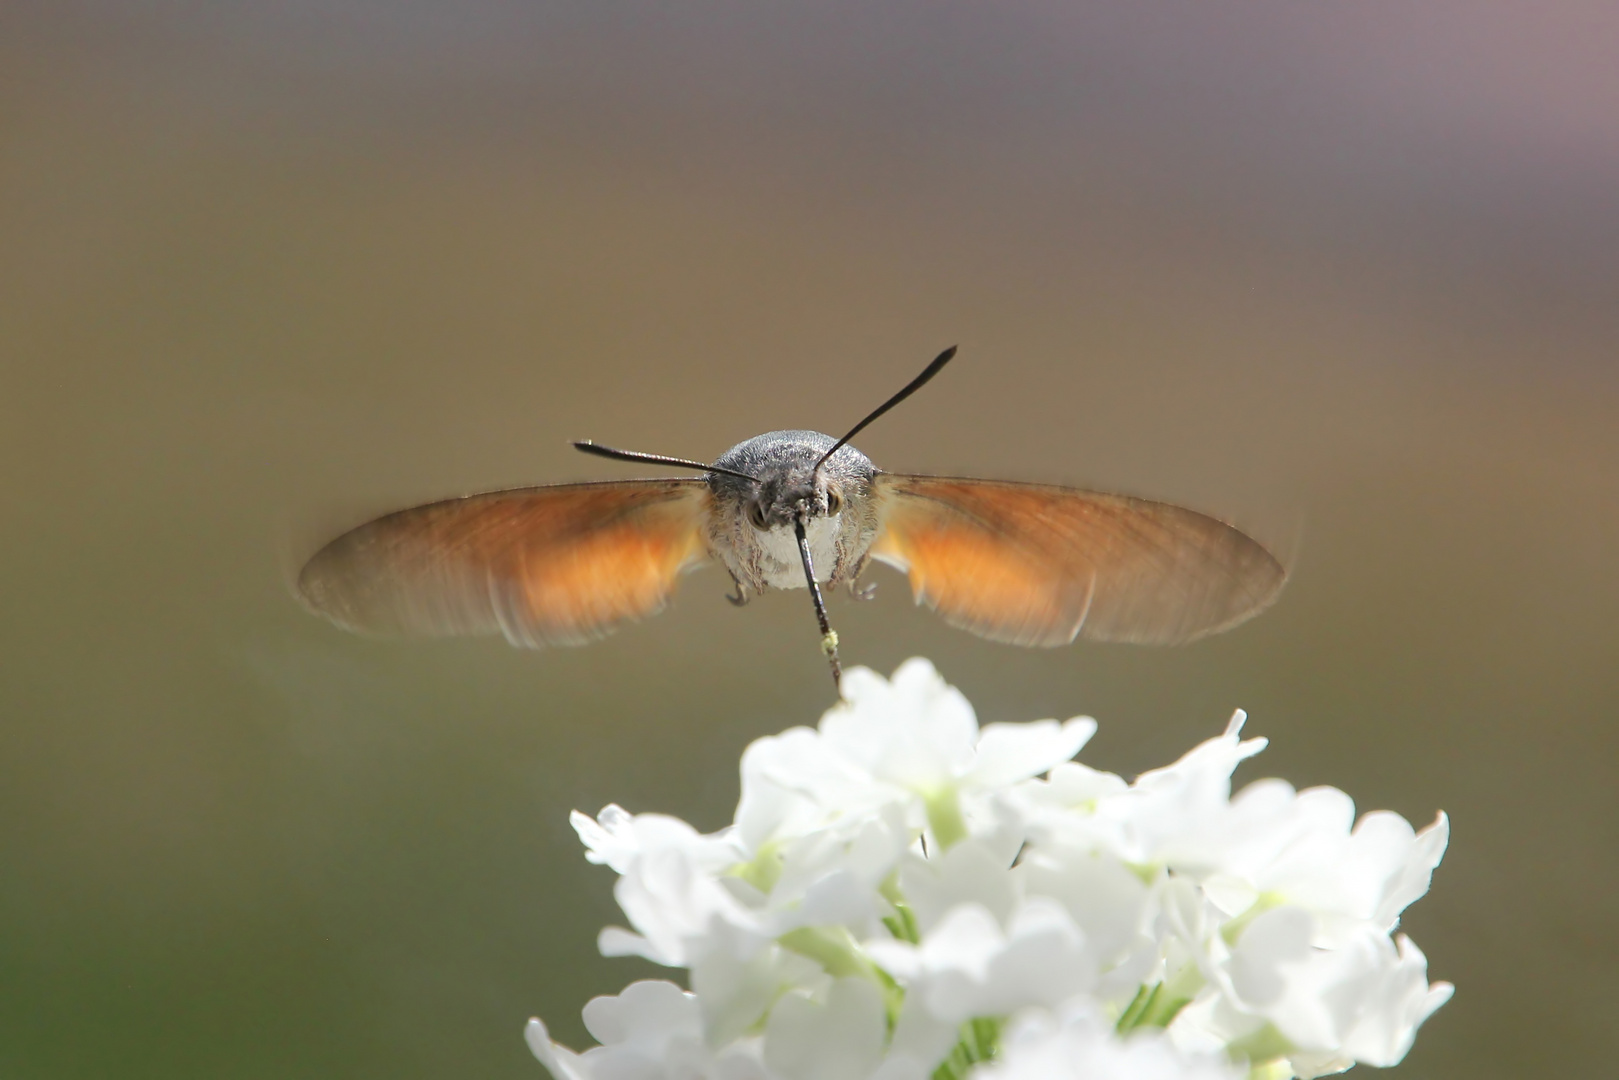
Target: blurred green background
x=1345 y=273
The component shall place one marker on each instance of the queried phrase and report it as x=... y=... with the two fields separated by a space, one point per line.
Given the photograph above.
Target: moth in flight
x=562 y=564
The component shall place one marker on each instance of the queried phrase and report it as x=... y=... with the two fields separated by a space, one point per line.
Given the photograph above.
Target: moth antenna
x=585 y=446
x=910 y=388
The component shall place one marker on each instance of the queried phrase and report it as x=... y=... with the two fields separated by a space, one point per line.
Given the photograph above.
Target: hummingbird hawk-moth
x=562 y=564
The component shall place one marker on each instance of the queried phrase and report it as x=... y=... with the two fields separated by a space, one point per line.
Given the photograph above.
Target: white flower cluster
x=906 y=895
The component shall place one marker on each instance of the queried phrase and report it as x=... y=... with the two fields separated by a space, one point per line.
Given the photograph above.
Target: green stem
x=902 y=924
x=1132 y=1012
x=834 y=948
x=1156 y=1006
x=980 y=1041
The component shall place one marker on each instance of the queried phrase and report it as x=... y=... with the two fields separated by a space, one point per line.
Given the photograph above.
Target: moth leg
x=741 y=597
x=858 y=591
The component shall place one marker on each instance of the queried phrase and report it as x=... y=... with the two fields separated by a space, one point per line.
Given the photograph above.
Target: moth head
x=788 y=483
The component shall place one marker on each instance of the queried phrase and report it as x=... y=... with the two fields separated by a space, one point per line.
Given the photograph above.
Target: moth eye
x=834 y=502
x=756 y=515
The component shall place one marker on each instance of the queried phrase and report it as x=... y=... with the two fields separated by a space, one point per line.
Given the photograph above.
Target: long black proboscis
x=588 y=447
x=829 y=637
x=910 y=388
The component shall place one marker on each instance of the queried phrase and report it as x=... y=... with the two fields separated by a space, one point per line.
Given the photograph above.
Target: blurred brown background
x=1348 y=273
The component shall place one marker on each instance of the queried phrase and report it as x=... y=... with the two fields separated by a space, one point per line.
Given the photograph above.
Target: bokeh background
x=1346 y=273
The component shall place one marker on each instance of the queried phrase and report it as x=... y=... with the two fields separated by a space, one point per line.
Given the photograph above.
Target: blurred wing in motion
x=542 y=565
x=1034 y=564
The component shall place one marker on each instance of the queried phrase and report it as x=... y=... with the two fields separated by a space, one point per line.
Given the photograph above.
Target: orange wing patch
x=546 y=565
x=625 y=570
x=980 y=582
x=1036 y=564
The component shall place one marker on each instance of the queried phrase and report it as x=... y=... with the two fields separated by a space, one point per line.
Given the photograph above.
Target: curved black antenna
x=910 y=388
x=588 y=447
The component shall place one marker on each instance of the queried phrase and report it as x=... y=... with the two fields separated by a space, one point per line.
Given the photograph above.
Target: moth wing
x=1036 y=564
x=558 y=565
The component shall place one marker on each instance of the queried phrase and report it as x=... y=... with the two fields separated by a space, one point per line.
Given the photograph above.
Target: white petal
x=1082 y=1047
x=969 y=873
x=964 y=940
x=915 y=731
x=1383 y=1033
x=1101 y=894
x=1273 y=940
x=968 y=966
x=736 y=987
x=919 y=1035
x=675 y=903
x=1416 y=873
x=1074 y=785
x=559 y=1061
x=838 y=1039
x=649 y=1012
x=617 y=941
x=618 y=838
x=1007 y=753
